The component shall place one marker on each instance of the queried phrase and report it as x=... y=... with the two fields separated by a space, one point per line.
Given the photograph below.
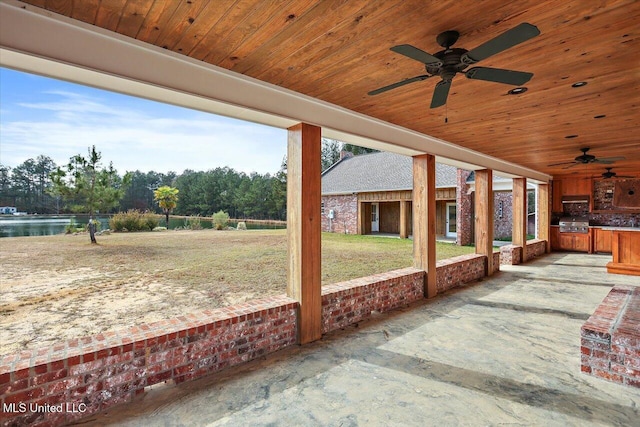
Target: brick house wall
x=345 y=213
x=502 y=218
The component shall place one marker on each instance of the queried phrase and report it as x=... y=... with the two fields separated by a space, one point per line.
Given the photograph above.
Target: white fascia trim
x=504 y=186
x=41 y=42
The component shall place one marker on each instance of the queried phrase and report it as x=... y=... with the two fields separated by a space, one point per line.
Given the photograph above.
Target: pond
x=44 y=225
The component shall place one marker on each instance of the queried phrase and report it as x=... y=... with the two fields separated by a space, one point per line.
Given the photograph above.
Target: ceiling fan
x=586 y=159
x=610 y=174
x=451 y=61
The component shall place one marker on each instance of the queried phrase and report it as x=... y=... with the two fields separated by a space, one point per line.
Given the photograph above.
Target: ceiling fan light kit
x=451 y=61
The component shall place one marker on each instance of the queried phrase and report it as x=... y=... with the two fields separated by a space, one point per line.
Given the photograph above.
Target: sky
x=39 y=115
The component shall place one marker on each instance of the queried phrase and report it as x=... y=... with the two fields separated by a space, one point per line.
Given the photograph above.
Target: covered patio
x=499 y=351
x=503 y=349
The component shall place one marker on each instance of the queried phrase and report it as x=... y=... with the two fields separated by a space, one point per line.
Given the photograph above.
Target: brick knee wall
x=459 y=270
x=610 y=338
x=512 y=254
x=88 y=375
x=536 y=248
x=349 y=302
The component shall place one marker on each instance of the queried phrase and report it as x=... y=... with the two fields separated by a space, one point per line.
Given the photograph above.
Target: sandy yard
x=54 y=288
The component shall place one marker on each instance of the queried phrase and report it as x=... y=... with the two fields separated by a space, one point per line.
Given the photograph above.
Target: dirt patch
x=55 y=288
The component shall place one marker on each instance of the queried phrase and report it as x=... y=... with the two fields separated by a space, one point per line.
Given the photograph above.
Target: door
x=375 y=218
x=450 y=226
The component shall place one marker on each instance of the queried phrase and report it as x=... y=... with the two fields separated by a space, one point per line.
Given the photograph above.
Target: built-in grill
x=574 y=225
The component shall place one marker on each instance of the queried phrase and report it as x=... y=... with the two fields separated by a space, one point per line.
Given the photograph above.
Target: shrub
x=72 y=227
x=220 y=220
x=193 y=223
x=133 y=220
x=151 y=220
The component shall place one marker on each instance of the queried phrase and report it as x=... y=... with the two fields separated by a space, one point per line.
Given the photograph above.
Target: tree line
x=30 y=188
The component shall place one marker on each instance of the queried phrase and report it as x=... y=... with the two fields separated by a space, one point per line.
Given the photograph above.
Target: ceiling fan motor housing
x=451 y=63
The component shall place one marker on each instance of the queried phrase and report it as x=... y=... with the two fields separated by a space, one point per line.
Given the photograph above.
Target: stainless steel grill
x=574 y=225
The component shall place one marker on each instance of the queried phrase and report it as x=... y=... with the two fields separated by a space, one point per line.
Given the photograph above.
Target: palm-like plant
x=167 y=198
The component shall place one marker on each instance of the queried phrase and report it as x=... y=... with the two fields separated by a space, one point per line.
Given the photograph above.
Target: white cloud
x=159 y=138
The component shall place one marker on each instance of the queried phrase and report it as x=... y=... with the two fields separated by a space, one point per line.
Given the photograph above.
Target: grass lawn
x=57 y=287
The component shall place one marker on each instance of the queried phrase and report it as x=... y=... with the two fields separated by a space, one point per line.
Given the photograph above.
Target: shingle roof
x=379 y=172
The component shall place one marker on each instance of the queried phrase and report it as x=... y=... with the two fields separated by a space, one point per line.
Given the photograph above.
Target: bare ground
x=54 y=288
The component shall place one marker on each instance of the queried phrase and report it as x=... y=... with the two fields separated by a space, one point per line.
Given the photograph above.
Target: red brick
x=63 y=385
x=13 y=387
x=632 y=362
x=158 y=378
x=632 y=382
x=48 y=377
x=625 y=370
x=24 y=396
x=20 y=374
x=607 y=375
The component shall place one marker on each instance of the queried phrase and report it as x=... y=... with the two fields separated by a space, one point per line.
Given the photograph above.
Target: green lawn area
x=346 y=256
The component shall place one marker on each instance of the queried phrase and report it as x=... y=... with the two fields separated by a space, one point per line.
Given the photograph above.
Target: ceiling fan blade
x=416 y=54
x=608 y=160
x=399 y=84
x=498 y=75
x=440 y=93
x=518 y=34
x=563 y=163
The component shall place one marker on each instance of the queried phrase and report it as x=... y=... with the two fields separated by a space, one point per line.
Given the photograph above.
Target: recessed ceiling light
x=600 y=116
x=579 y=84
x=571 y=136
x=517 y=91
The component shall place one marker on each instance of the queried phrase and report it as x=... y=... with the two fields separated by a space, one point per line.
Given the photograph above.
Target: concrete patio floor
x=503 y=351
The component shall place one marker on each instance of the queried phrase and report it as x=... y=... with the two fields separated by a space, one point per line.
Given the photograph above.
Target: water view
x=45 y=225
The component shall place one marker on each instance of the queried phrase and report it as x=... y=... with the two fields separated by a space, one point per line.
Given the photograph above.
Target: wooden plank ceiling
x=338 y=51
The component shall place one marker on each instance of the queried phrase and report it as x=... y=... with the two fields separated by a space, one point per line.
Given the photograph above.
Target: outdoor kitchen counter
x=606 y=227
x=625 y=248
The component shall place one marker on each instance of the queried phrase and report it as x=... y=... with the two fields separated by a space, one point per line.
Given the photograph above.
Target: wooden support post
x=404 y=219
x=364 y=218
x=303 y=228
x=483 y=226
x=543 y=215
x=424 y=219
x=519 y=231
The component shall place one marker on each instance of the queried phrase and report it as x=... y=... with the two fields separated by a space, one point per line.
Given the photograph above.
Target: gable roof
x=380 y=171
